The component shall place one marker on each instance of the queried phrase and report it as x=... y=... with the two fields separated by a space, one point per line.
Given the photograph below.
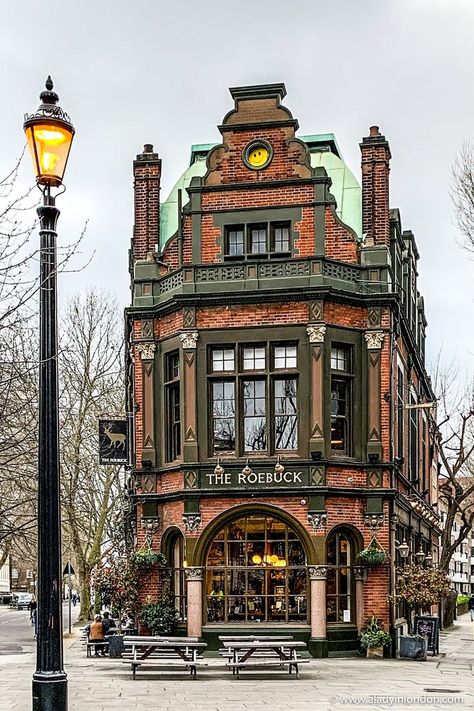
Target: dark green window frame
x=341 y=405
x=246 y=241
x=172 y=406
x=276 y=419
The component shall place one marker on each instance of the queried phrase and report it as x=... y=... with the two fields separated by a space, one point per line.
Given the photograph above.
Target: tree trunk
x=85 y=593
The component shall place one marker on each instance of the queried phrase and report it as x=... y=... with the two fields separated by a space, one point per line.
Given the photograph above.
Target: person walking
x=470 y=607
x=33 y=608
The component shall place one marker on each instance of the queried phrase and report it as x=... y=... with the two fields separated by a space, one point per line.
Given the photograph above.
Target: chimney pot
x=148 y=148
x=374 y=131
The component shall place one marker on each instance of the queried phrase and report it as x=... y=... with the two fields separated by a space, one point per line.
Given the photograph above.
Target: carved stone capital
x=317 y=572
x=194 y=573
x=191 y=521
x=360 y=573
x=316 y=332
x=146 y=350
x=374 y=521
x=374 y=339
x=189 y=339
x=317 y=520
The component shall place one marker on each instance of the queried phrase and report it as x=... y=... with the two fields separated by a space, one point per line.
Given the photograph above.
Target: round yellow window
x=258 y=155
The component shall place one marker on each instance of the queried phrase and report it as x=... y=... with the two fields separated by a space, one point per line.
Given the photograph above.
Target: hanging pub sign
x=113 y=441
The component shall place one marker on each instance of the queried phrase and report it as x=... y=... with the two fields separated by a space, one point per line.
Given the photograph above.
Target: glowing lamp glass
x=49 y=145
x=256 y=559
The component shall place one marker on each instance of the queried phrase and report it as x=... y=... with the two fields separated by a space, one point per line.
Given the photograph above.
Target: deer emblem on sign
x=116 y=439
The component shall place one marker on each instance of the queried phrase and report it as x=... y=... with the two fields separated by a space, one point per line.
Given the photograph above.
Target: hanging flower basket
x=373 y=555
x=146 y=557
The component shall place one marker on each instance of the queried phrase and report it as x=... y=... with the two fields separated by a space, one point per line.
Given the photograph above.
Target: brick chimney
x=146 y=230
x=375 y=188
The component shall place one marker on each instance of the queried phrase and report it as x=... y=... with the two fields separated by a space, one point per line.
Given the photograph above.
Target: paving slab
x=325 y=685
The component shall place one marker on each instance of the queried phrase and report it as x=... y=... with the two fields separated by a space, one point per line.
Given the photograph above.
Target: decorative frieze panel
x=146 y=351
x=191 y=521
x=173 y=281
x=374 y=316
x=190 y=480
x=189 y=317
x=224 y=273
x=195 y=573
x=341 y=271
x=374 y=339
x=316 y=332
x=317 y=572
x=374 y=521
x=316 y=310
x=374 y=478
x=146 y=331
x=318 y=476
x=317 y=521
x=283 y=269
x=189 y=339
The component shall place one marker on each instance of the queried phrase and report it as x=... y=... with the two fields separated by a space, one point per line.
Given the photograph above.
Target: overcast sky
x=158 y=72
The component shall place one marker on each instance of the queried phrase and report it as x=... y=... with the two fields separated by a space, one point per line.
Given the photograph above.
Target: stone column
x=374 y=340
x=194 y=579
x=359 y=576
x=190 y=446
x=318 y=642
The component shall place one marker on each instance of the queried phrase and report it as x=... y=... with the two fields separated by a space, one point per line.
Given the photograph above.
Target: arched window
x=256 y=572
x=339 y=591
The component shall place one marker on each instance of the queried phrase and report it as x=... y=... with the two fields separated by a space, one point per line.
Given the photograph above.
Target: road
x=16 y=632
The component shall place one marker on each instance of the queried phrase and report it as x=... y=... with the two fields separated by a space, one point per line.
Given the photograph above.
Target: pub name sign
x=233 y=478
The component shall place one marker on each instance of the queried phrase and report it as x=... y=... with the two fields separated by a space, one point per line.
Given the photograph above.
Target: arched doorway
x=342 y=546
x=256 y=572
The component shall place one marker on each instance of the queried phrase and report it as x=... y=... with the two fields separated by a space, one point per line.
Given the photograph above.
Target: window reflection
x=256 y=571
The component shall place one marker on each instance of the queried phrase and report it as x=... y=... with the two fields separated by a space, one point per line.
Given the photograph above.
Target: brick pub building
x=276 y=350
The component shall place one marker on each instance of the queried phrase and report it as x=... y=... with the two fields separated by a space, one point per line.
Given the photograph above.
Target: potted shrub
x=419 y=587
x=374 y=638
x=373 y=555
x=160 y=617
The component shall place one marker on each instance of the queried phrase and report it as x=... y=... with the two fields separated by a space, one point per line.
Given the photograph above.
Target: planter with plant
x=160 y=617
x=373 y=555
x=145 y=557
x=374 y=638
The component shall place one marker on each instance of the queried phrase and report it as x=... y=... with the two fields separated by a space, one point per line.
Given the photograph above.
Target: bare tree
x=91 y=382
x=455 y=442
x=462 y=193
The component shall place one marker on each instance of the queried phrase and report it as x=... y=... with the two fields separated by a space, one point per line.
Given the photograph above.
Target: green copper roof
x=324 y=152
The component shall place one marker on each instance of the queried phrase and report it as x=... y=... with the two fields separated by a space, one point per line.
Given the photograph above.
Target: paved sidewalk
x=324 y=685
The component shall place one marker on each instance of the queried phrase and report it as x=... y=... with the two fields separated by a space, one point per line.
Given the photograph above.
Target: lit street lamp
x=49 y=132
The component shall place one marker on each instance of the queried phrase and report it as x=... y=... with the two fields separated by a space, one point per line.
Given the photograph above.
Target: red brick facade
x=334 y=289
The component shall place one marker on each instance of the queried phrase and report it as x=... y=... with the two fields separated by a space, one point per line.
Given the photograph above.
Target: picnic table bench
x=162 y=652
x=272 y=651
x=90 y=645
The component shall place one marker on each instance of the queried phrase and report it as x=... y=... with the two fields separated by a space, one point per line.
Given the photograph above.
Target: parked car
x=6 y=598
x=22 y=600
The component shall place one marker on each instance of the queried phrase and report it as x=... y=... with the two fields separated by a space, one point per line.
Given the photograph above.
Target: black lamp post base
x=50 y=691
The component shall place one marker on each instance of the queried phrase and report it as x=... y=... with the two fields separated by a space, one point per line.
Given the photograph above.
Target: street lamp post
x=49 y=132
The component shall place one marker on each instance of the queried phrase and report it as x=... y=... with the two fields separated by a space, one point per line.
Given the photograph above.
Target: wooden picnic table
x=165 y=652
x=262 y=653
